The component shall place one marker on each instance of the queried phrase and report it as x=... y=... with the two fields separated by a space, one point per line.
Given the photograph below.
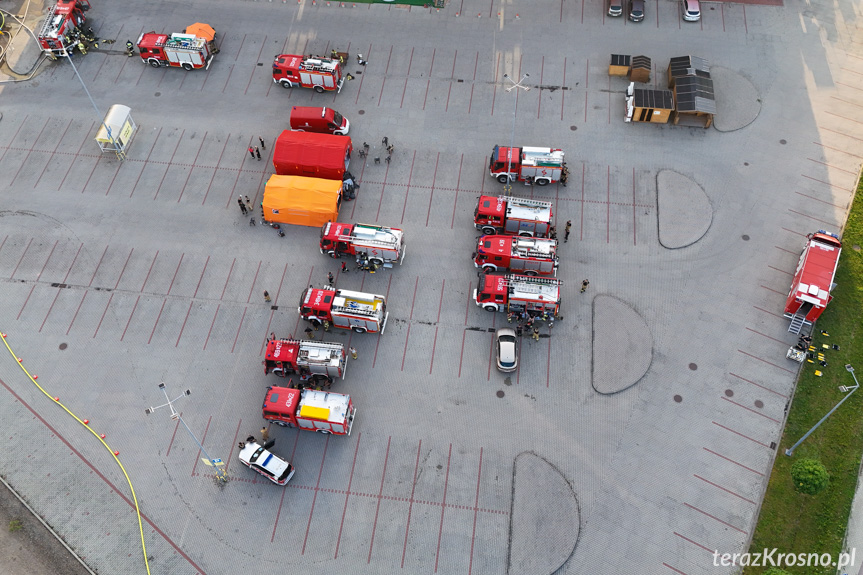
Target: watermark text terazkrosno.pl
x=773 y=558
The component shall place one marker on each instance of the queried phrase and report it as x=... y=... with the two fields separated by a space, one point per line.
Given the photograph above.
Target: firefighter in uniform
x=81 y=47
x=130 y=48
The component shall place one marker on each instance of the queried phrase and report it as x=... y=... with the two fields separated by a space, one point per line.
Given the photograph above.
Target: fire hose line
x=101 y=439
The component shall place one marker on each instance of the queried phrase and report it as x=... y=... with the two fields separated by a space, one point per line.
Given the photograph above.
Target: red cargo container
x=312 y=155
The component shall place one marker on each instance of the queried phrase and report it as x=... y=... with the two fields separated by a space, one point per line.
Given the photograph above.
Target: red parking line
x=227 y=280
x=494 y=90
x=693 y=542
x=406 y=78
x=442 y=508
x=201 y=278
x=714 y=517
x=431 y=197
x=134 y=307
x=231 y=450
x=461 y=355
x=539 y=100
x=173 y=435
x=758 y=385
x=749 y=409
x=347 y=496
x=452 y=77
x=475 y=510
x=179 y=263
x=387 y=296
x=192 y=169
x=216 y=169
x=732 y=461
x=437 y=324
x=490 y=353
x=92 y=171
x=457 y=185
x=148 y=271
x=36 y=281
x=188 y=311
x=171 y=163
x=586 y=85
x=236 y=337
x=241 y=47
x=837 y=149
x=51 y=157
x=380 y=493
x=15 y=135
x=103 y=315
x=384 y=83
x=832 y=166
x=408 y=336
x=608 y=205
x=408 y=189
x=473 y=83
x=563 y=92
x=428 y=82
x=765 y=361
x=411 y=504
x=383 y=188
x=146 y=162
x=368 y=54
x=678 y=571
x=257 y=271
x=725 y=490
x=722 y=11
x=314 y=499
x=157 y=320
x=740 y=434
x=76 y=313
x=212 y=323
x=64 y=281
x=21 y=258
x=29 y=152
x=745 y=25
x=634 y=238
x=255 y=67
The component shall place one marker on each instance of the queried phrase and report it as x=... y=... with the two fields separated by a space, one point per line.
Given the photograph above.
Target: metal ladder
x=797 y=322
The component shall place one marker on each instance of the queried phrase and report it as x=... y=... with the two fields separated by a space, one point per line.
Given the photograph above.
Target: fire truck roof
x=539 y=246
x=152 y=40
x=541 y=157
x=819 y=269
x=282 y=350
x=324 y=405
x=529 y=210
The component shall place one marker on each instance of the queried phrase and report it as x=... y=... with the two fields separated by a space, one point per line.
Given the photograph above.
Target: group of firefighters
x=83 y=39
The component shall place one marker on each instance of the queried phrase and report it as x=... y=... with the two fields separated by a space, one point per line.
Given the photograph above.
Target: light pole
x=848 y=391
x=508 y=187
x=216 y=463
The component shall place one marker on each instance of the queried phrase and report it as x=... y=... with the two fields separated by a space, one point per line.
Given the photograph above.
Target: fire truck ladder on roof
x=526 y=202
x=368 y=241
x=335 y=349
x=362 y=309
x=535 y=281
x=532 y=252
x=48 y=26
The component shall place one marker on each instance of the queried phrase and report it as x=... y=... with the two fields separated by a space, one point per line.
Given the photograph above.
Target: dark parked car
x=636 y=10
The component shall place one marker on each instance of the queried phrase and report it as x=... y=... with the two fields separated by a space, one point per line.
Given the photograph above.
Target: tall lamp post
x=508 y=187
x=215 y=463
x=848 y=391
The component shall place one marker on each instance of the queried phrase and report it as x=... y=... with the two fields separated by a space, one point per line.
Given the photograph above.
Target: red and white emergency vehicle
x=516 y=293
x=513 y=216
x=309 y=409
x=528 y=164
x=813 y=280
x=361 y=312
x=317 y=361
x=322 y=74
x=531 y=256
x=378 y=245
x=64 y=20
x=186 y=51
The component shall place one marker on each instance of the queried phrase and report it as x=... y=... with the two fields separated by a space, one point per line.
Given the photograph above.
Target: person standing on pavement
x=330 y=277
x=242 y=206
x=261 y=140
x=267 y=296
x=584 y=285
x=252 y=152
x=566 y=231
x=248 y=204
x=265 y=434
x=258 y=153
x=344 y=267
x=353 y=353
x=536 y=333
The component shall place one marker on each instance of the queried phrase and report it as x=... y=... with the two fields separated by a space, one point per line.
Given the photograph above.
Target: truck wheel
x=530 y=273
x=315 y=322
x=377 y=261
x=489 y=231
x=319 y=90
x=187 y=67
x=490 y=308
x=359 y=329
x=325 y=431
x=503 y=179
x=525 y=234
x=286 y=84
x=488 y=269
x=541 y=182
x=154 y=63
x=281 y=423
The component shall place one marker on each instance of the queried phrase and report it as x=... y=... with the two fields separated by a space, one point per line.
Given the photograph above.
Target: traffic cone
x=86 y=421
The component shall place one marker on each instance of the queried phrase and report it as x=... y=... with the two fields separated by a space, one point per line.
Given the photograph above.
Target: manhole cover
x=573 y=128
x=745 y=163
x=783 y=142
x=63 y=346
x=745 y=237
x=677 y=399
x=729 y=393
x=361 y=112
x=759 y=404
x=157 y=94
x=500 y=393
x=693 y=366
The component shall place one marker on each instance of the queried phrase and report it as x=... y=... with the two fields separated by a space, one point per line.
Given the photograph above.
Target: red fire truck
x=361 y=312
x=532 y=165
x=813 y=280
x=513 y=216
x=531 y=256
x=536 y=296
x=186 y=51
x=322 y=74
x=318 y=361
x=378 y=245
x=309 y=409
x=63 y=22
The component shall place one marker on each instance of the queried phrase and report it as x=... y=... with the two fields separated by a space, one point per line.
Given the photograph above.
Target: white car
x=506 y=344
x=691 y=10
x=267 y=464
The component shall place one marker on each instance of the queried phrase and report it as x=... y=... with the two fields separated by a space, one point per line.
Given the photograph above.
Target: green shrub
x=810 y=476
x=776 y=571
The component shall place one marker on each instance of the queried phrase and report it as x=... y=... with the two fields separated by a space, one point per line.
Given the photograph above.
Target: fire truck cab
x=63 y=21
x=185 y=51
x=528 y=164
x=531 y=256
x=516 y=293
x=361 y=312
x=309 y=409
x=379 y=245
x=813 y=280
x=320 y=74
x=318 y=361
x=513 y=216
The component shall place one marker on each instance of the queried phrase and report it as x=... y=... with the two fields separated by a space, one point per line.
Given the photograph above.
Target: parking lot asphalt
x=118 y=276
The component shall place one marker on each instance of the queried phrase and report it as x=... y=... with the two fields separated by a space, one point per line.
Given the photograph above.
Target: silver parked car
x=506 y=344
